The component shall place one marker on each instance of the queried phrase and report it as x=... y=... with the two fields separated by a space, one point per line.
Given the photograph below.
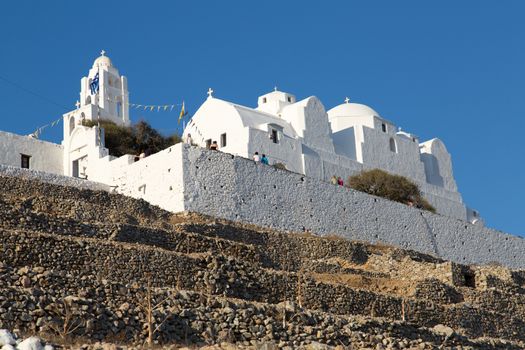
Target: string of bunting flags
x=193 y=125
x=145 y=107
x=149 y=107
x=37 y=132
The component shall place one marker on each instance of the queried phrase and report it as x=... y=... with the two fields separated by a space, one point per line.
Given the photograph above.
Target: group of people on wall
x=337 y=180
x=260 y=159
x=257 y=158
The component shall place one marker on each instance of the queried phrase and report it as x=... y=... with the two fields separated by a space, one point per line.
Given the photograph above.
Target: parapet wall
x=55 y=179
x=235 y=188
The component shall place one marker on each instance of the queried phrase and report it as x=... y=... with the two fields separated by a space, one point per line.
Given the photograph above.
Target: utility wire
x=32 y=92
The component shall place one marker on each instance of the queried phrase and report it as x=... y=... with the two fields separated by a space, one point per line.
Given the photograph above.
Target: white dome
x=351 y=110
x=102 y=61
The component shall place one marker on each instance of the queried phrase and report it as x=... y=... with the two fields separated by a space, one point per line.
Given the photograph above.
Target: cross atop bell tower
x=104 y=92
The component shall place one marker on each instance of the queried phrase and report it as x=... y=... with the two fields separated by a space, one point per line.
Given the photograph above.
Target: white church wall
x=438 y=164
x=404 y=160
x=157 y=179
x=44 y=156
x=287 y=150
x=310 y=121
x=345 y=143
x=238 y=189
x=214 y=118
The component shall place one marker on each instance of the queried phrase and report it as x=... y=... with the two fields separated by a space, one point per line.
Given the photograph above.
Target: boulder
x=32 y=343
x=6 y=338
x=442 y=329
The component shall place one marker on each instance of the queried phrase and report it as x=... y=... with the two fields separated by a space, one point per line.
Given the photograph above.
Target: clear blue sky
x=448 y=69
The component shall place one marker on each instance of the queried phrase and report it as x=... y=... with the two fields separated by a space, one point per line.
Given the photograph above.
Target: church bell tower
x=103 y=95
x=106 y=91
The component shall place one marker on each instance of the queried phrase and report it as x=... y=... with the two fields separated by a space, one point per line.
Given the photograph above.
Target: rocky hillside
x=80 y=266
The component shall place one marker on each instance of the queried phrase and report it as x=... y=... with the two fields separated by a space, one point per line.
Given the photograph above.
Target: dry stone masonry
x=78 y=266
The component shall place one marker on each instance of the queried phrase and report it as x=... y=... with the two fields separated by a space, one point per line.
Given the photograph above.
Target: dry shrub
x=140 y=137
x=394 y=187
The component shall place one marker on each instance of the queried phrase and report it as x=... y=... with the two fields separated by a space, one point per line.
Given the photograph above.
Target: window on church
x=208 y=143
x=393 y=146
x=383 y=127
x=264 y=99
x=289 y=99
x=274 y=136
x=223 y=140
x=25 y=161
x=71 y=125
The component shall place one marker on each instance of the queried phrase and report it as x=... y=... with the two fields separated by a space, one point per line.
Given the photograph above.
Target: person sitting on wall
x=264 y=160
x=189 y=140
x=340 y=181
x=214 y=146
x=333 y=180
x=256 y=157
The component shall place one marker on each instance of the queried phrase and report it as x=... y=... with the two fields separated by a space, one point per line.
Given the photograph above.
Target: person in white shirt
x=189 y=140
x=256 y=157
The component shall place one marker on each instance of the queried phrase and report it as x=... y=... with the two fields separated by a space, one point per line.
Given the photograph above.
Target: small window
x=393 y=146
x=71 y=125
x=25 y=161
x=383 y=127
x=223 y=140
x=274 y=136
x=264 y=99
x=208 y=143
x=289 y=99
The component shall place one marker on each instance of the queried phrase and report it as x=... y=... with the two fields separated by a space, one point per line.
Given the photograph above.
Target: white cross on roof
x=210 y=91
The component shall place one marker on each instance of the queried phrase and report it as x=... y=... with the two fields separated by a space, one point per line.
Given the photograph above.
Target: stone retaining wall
x=238 y=189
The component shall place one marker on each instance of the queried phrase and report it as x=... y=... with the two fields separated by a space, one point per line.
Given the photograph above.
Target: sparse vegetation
x=394 y=187
x=66 y=320
x=280 y=166
x=134 y=139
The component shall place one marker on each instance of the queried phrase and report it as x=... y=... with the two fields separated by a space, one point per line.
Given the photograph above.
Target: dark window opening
x=264 y=99
x=208 y=143
x=289 y=99
x=393 y=146
x=25 y=161
x=223 y=140
x=470 y=280
x=274 y=136
x=383 y=127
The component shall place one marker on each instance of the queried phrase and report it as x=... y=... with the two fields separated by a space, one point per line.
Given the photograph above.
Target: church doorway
x=75 y=168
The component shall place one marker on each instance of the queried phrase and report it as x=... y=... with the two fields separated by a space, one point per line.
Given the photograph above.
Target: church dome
x=103 y=60
x=351 y=110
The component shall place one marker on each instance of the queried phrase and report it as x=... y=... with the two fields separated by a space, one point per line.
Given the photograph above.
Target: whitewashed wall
x=235 y=188
x=156 y=179
x=45 y=156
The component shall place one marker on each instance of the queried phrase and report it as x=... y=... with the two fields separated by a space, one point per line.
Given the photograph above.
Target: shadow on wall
x=432 y=170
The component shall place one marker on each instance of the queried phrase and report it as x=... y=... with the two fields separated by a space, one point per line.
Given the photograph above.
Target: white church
x=302 y=135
